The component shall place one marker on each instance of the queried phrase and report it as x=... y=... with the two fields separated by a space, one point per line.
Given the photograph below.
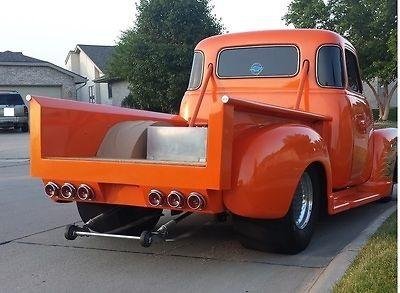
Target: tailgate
x=66 y=137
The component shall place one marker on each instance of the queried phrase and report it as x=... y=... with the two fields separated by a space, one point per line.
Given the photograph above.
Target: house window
x=110 y=95
x=329 y=66
x=353 y=74
x=91 y=94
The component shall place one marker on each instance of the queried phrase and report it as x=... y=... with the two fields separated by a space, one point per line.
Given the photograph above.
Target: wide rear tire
x=118 y=217
x=291 y=234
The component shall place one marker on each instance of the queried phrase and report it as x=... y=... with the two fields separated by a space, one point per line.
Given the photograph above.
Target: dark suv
x=13 y=111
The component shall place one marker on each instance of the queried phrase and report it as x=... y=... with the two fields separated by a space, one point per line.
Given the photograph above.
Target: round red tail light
x=68 y=191
x=195 y=201
x=175 y=199
x=51 y=189
x=155 y=198
x=85 y=192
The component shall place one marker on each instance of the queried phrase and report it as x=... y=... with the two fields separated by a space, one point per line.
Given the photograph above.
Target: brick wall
x=11 y=75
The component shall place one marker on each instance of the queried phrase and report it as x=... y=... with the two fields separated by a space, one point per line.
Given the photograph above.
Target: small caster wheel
x=146 y=238
x=222 y=217
x=69 y=233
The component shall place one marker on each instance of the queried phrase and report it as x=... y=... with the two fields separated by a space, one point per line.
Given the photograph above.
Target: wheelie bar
x=146 y=238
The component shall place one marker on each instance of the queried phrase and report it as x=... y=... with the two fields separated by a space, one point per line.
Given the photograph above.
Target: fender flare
x=267 y=163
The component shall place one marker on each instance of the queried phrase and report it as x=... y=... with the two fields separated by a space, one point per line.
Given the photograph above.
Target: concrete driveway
x=35 y=257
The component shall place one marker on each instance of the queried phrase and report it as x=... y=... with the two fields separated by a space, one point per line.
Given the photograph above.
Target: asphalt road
x=35 y=257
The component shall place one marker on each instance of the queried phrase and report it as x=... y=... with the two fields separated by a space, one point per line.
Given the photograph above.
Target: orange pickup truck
x=273 y=130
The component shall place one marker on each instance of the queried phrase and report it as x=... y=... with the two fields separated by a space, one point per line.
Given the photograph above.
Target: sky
x=48 y=29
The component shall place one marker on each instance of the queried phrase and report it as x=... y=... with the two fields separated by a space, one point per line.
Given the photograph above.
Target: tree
x=155 y=55
x=372 y=28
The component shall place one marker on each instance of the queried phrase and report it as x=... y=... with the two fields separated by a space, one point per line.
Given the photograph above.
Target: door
x=362 y=122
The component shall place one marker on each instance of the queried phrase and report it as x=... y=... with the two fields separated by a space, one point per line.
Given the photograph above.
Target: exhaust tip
x=51 y=189
x=155 y=198
x=68 y=191
x=175 y=199
x=195 y=201
x=85 y=192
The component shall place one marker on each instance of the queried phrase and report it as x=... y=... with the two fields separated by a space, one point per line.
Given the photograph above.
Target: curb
x=331 y=274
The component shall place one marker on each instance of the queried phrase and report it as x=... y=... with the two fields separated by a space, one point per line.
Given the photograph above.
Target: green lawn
x=392 y=114
x=375 y=267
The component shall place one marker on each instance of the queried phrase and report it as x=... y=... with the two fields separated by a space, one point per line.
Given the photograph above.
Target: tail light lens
x=155 y=198
x=51 y=189
x=85 y=192
x=68 y=191
x=195 y=201
x=175 y=199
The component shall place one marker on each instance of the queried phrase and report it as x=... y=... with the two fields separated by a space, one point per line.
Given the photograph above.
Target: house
x=91 y=61
x=33 y=76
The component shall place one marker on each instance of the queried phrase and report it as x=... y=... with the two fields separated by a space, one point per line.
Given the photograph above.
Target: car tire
x=291 y=234
x=118 y=218
x=25 y=127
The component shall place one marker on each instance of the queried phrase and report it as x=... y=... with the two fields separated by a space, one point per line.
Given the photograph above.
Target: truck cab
x=273 y=130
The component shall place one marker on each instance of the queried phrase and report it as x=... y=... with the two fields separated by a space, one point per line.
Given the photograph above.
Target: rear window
x=197 y=71
x=268 y=61
x=11 y=99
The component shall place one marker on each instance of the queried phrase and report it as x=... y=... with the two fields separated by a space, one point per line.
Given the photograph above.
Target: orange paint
x=262 y=134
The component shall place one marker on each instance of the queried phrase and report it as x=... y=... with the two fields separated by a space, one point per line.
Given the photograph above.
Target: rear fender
x=266 y=167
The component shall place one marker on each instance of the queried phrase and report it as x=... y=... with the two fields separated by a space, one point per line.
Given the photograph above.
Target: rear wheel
x=105 y=218
x=291 y=234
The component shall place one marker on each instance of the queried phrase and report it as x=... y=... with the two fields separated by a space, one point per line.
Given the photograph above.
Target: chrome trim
x=259 y=46
x=54 y=186
x=179 y=195
x=70 y=188
x=87 y=189
x=160 y=195
x=202 y=202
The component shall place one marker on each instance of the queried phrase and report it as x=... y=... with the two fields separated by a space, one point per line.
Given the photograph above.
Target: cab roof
x=284 y=36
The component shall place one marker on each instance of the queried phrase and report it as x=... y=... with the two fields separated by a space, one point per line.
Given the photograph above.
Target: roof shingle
x=8 y=56
x=100 y=55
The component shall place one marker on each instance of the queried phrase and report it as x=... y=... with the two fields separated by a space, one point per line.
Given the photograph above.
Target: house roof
x=98 y=54
x=10 y=58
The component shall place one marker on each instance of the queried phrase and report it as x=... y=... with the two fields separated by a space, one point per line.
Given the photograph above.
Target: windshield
x=268 y=61
x=197 y=71
x=11 y=99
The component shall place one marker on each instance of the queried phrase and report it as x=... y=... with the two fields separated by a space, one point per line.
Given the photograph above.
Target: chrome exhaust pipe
x=68 y=191
x=51 y=189
x=155 y=198
x=195 y=201
x=85 y=192
x=175 y=199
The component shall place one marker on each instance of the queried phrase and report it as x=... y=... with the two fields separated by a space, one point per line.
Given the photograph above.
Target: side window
x=353 y=75
x=329 y=66
x=196 y=74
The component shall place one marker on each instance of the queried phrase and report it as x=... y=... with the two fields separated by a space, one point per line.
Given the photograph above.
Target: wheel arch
x=267 y=166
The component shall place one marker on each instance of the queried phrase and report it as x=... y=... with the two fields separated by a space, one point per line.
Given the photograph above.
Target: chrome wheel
x=303 y=201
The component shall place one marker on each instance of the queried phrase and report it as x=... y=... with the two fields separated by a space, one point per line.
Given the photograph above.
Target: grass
x=392 y=114
x=385 y=124
x=375 y=267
